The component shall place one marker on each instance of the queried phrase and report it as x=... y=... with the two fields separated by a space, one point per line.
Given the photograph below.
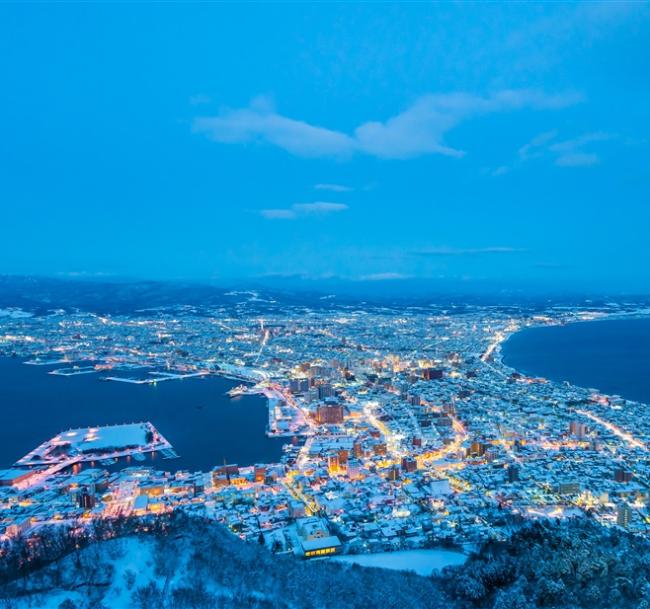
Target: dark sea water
x=203 y=424
x=612 y=356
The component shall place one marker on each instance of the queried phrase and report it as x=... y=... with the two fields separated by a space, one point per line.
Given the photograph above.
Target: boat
x=237 y=391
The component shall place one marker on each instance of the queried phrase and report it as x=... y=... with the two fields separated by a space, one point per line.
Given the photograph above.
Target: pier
x=94 y=444
x=157 y=377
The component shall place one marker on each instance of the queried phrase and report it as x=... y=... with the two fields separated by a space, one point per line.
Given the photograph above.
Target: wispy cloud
x=570 y=153
x=333 y=187
x=536 y=145
x=577 y=159
x=303 y=209
x=453 y=251
x=389 y=276
x=278 y=214
x=563 y=153
x=418 y=130
x=319 y=207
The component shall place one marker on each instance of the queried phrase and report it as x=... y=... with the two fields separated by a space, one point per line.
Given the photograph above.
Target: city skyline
x=467 y=144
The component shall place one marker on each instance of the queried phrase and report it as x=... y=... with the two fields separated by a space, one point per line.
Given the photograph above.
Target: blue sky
x=462 y=141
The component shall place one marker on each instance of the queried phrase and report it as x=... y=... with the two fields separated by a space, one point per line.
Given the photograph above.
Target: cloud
x=333 y=187
x=260 y=122
x=532 y=148
x=278 y=214
x=452 y=251
x=563 y=153
x=577 y=159
x=418 y=130
x=303 y=209
x=390 y=276
x=570 y=154
x=319 y=207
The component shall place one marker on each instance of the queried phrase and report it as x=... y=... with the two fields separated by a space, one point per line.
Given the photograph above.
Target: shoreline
x=499 y=360
x=165 y=414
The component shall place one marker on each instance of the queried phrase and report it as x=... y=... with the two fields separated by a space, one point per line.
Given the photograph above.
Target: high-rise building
x=431 y=374
x=260 y=473
x=333 y=464
x=393 y=473
x=86 y=500
x=513 y=473
x=325 y=391
x=409 y=464
x=329 y=414
x=623 y=515
x=300 y=385
x=623 y=475
x=477 y=449
x=578 y=429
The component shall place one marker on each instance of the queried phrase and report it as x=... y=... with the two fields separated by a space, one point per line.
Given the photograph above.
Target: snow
x=422 y=562
x=137 y=558
x=52 y=600
x=14 y=313
x=102 y=438
x=135 y=554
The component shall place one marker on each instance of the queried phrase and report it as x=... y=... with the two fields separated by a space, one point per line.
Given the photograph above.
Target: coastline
x=499 y=357
x=192 y=415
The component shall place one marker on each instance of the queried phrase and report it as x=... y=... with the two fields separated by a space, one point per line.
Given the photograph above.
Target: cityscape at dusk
x=315 y=305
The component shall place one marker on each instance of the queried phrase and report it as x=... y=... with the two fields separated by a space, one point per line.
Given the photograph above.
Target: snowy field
x=422 y=562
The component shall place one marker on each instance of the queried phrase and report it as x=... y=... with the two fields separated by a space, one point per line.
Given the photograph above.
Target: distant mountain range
x=40 y=294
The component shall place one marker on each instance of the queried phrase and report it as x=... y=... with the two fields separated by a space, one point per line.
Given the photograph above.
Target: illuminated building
x=409 y=464
x=315 y=538
x=260 y=473
x=578 y=429
x=431 y=374
x=329 y=414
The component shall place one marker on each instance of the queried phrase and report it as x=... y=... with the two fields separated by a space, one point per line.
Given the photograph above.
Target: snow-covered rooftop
x=93 y=439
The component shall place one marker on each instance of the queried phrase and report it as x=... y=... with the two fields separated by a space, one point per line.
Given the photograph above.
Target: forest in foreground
x=183 y=563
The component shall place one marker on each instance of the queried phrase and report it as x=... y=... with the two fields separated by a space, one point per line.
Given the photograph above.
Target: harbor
x=204 y=425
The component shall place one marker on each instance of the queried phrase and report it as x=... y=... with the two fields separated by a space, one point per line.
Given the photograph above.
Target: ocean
x=205 y=426
x=612 y=356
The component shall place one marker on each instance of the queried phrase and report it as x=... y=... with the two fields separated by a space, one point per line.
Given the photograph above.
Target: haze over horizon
x=466 y=144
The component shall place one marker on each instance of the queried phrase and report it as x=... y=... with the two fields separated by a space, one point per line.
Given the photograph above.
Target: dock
x=157 y=377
